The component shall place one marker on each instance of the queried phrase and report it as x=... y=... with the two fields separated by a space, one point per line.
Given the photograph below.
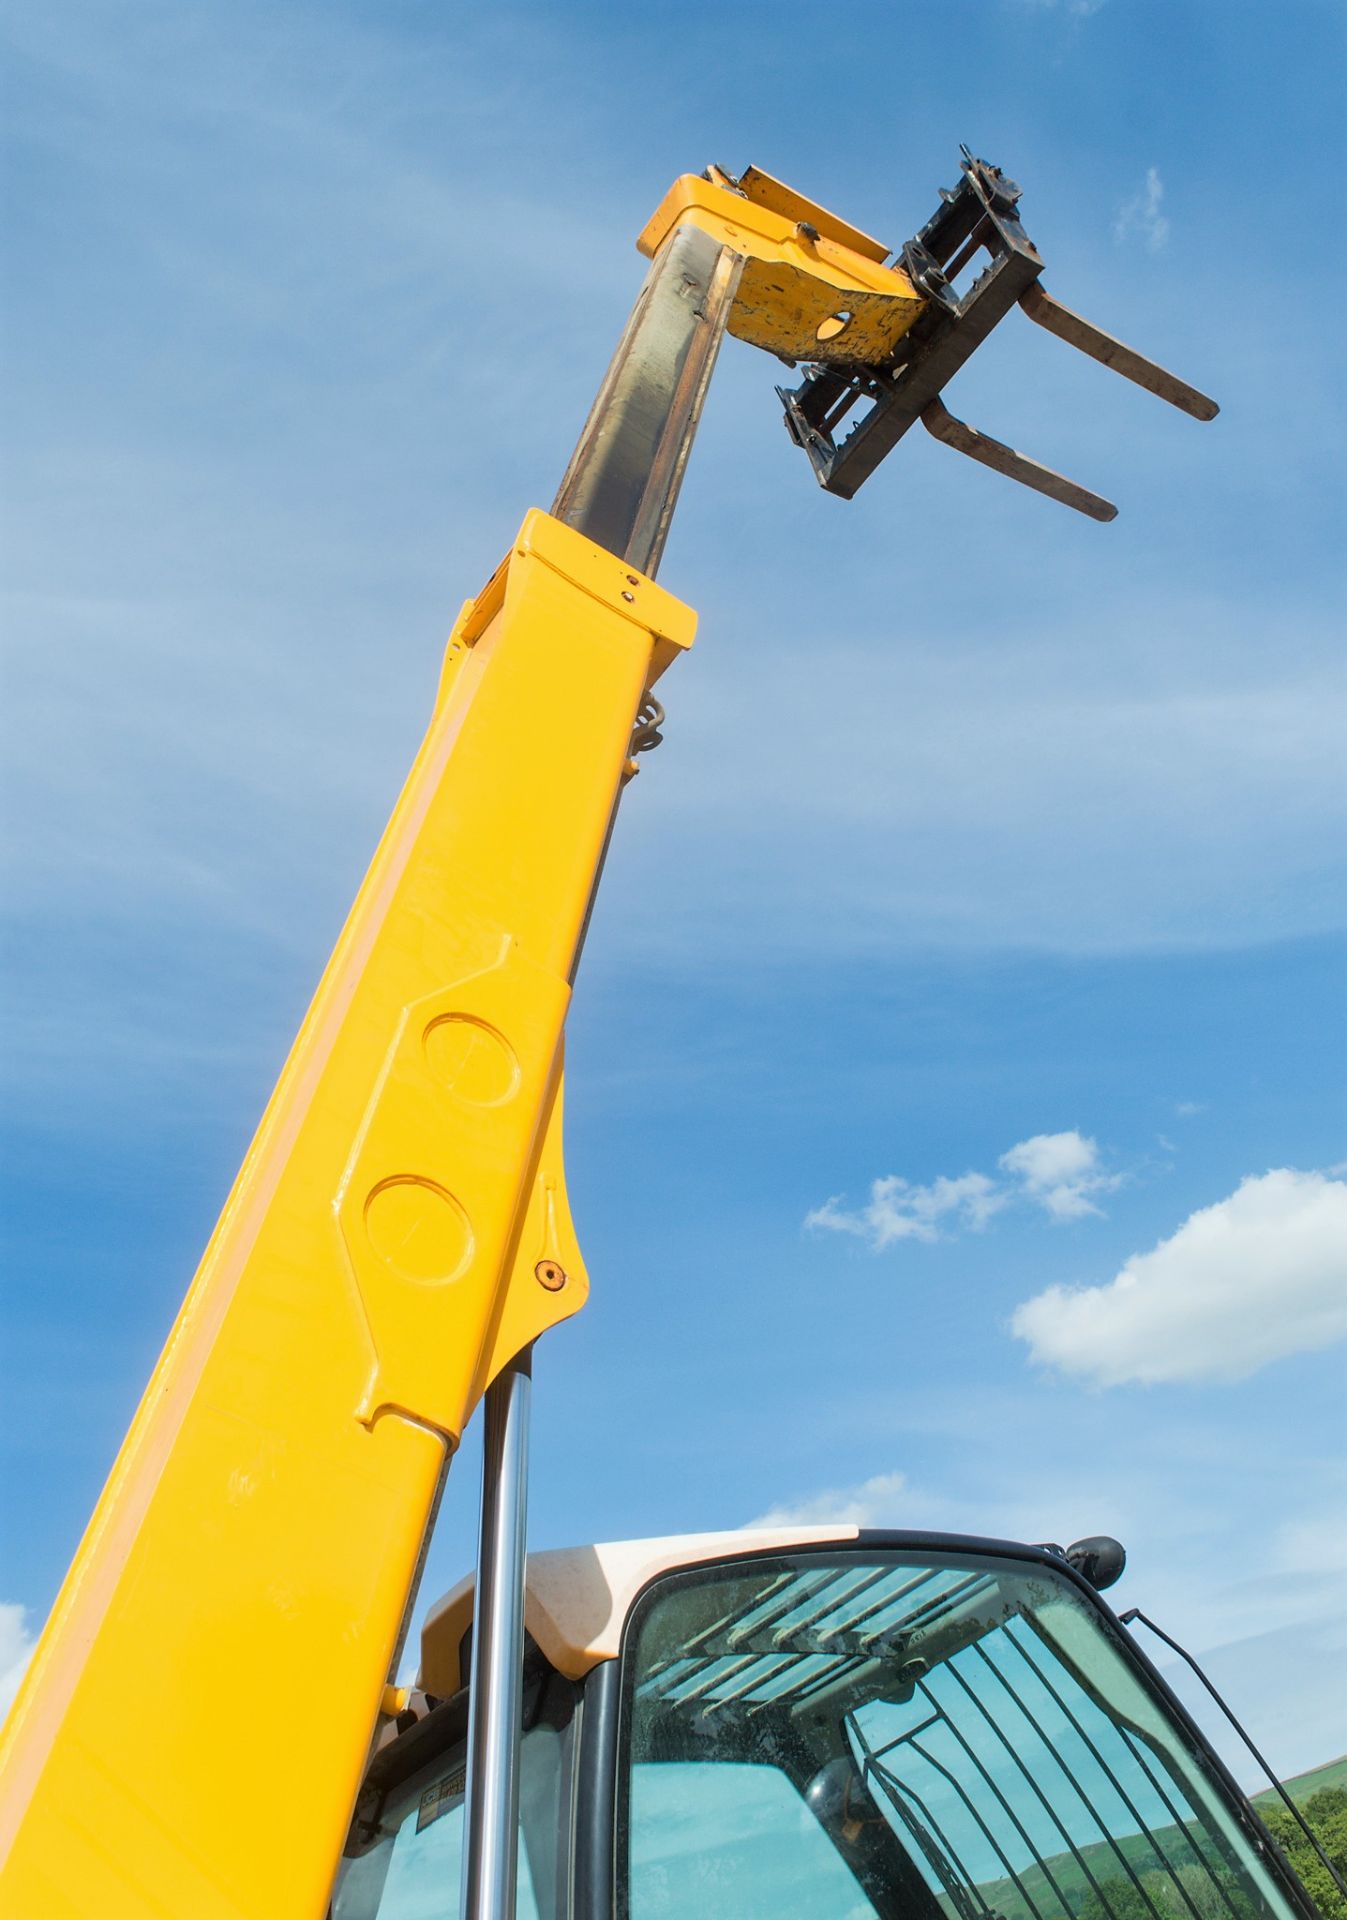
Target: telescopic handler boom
x=216 y=1689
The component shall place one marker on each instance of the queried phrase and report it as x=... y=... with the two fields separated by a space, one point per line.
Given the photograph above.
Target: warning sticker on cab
x=442 y=1797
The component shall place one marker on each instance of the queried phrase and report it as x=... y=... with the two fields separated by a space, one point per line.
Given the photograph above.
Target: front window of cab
x=943 y=1737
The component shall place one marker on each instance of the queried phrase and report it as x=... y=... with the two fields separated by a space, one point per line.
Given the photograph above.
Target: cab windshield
x=952 y=1737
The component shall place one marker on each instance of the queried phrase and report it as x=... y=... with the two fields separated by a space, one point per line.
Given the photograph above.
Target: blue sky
x=976 y=824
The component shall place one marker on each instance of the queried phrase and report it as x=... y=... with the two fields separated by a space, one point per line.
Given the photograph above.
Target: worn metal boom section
x=622 y=484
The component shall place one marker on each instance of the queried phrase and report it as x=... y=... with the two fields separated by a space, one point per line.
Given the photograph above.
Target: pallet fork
x=980 y=215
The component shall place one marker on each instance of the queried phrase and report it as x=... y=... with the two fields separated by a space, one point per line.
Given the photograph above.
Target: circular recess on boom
x=471 y=1059
x=419 y=1228
x=834 y=324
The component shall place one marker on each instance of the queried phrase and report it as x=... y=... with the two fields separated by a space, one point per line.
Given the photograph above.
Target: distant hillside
x=1333 y=1773
x=1036 y=1893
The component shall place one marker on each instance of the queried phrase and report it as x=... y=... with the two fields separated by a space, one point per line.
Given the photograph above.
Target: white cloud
x=16 y=1646
x=1188 y=1109
x=1141 y=214
x=1255 y=1277
x=897 y=1210
x=1058 y=1172
x=1045 y=1502
x=877 y=1502
x=891 y=1500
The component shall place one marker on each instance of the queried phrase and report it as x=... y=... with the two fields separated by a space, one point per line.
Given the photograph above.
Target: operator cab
x=826 y=1724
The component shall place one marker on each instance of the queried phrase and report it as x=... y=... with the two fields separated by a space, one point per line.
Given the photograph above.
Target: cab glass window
x=951 y=1737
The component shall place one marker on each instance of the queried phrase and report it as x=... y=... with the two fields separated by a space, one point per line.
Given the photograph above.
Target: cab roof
x=576 y=1599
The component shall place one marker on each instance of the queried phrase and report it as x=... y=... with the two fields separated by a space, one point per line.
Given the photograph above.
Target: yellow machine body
x=398 y=1232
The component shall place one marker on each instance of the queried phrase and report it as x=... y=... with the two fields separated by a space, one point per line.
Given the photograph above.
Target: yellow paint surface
x=373 y=1268
x=795 y=286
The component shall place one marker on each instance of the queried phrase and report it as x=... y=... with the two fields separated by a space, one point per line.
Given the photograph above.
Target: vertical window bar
x=1085 y=1801
x=1033 y=1785
x=948 y=1868
x=1109 y=1774
x=988 y=1835
x=980 y=1768
x=1150 y=1767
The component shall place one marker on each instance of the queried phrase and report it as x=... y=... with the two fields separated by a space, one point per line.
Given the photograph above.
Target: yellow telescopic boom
x=399 y=1232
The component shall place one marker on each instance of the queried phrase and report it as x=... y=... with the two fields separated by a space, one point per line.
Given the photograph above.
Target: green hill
x=1099 y=1862
x=1333 y=1773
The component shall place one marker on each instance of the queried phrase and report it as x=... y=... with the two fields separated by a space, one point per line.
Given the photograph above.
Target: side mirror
x=1100 y=1559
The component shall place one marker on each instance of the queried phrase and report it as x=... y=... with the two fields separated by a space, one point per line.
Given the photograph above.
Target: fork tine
x=937 y=420
x=1041 y=308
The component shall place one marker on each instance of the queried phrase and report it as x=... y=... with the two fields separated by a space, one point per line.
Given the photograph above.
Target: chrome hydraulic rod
x=619 y=490
x=491 y=1814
